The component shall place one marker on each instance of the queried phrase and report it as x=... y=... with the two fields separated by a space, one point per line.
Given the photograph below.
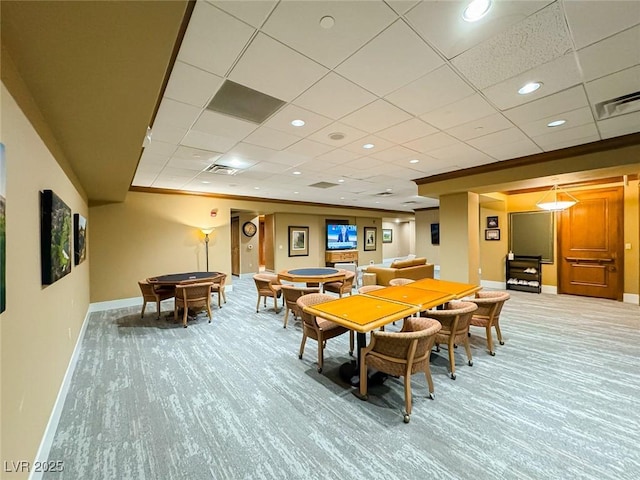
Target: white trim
x=49 y=432
x=494 y=285
x=113 y=304
x=633 y=298
x=550 y=289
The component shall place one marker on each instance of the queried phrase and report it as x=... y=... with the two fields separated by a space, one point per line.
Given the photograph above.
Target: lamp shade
x=206 y=231
x=554 y=204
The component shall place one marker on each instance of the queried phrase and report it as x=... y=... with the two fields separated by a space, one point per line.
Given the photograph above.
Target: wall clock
x=249 y=229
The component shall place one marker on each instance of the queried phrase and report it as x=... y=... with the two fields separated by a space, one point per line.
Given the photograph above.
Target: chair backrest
x=196 y=294
x=412 y=344
x=220 y=280
x=455 y=318
x=309 y=300
x=396 y=282
x=490 y=303
x=370 y=288
x=264 y=281
x=347 y=283
x=148 y=292
x=291 y=294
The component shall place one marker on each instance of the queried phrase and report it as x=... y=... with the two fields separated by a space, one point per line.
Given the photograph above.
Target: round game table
x=174 y=279
x=312 y=275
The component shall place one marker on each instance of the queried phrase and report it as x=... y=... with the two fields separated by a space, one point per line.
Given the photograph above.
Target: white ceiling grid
x=410 y=77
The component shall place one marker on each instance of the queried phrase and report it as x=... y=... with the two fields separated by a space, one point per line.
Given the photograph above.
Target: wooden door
x=590 y=242
x=235 y=246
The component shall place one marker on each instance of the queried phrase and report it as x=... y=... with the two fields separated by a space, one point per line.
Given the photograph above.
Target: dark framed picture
x=298 y=241
x=79 y=238
x=387 y=235
x=370 y=238
x=492 y=234
x=435 y=234
x=55 y=237
x=492 y=222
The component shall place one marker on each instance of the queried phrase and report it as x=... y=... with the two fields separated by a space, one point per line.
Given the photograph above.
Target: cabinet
x=341 y=256
x=524 y=273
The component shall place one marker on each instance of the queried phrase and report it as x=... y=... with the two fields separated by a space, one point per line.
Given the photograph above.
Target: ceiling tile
x=168 y=133
x=394 y=153
x=176 y=114
x=566 y=137
x=272 y=68
x=535 y=41
x=442 y=25
x=430 y=92
x=432 y=142
x=283 y=118
x=297 y=24
x=334 y=97
x=565 y=101
x=407 y=131
x=357 y=146
x=270 y=138
x=337 y=156
x=161 y=148
x=309 y=148
x=611 y=55
x=252 y=12
x=197 y=153
x=376 y=116
x=615 y=85
x=217 y=124
x=194 y=164
x=594 y=20
x=482 y=126
x=394 y=58
x=460 y=112
x=267 y=167
x=622 y=125
x=149 y=159
x=575 y=118
x=505 y=144
x=246 y=152
x=350 y=134
x=462 y=154
x=402 y=6
x=213 y=39
x=191 y=85
x=557 y=75
x=205 y=141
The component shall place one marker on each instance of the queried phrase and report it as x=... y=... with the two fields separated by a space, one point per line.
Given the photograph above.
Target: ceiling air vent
x=324 y=185
x=383 y=194
x=243 y=102
x=618 y=106
x=221 y=170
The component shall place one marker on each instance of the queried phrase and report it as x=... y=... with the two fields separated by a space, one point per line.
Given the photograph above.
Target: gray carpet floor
x=231 y=400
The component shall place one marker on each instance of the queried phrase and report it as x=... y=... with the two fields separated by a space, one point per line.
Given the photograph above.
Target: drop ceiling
x=431 y=92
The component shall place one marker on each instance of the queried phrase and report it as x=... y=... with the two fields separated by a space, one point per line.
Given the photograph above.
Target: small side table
x=369 y=279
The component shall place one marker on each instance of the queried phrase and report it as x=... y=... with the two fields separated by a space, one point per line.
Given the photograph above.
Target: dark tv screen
x=342 y=237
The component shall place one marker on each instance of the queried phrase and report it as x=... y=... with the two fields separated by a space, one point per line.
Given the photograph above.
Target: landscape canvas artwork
x=79 y=238
x=55 y=237
x=3 y=237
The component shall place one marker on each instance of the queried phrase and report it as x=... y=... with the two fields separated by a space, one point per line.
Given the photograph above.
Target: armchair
x=192 y=295
x=291 y=295
x=268 y=285
x=341 y=287
x=488 y=314
x=153 y=293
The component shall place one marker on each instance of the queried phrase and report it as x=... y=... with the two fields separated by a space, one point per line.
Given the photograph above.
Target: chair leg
x=286 y=315
x=407 y=397
x=467 y=348
x=320 y=353
x=497 y=325
x=351 y=342
x=209 y=311
x=304 y=340
x=258 y=304
x=490 y=340
x=144 y=305
x=219 y=302
x=427 y=374
x=185 y=316
x=275 y=304
x=224 y=296
x=175 y=313
x=158 y=308
x=452 y=359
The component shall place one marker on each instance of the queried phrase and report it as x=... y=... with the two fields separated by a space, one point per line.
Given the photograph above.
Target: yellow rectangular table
x=457 y=289
x=419 y=297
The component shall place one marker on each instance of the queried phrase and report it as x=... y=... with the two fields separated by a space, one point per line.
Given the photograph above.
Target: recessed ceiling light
x=476 y=10
x=414 y=161
x=206 y=182
x=341 y=198
x=327 y=22
x=296 y=192
x=341 y=180
x=196 y=155
x=388 y=189
x=297 y=173
x=529 y=88
x=256 y=188
x=556 y=123
x=368 y=145
x=298 y=123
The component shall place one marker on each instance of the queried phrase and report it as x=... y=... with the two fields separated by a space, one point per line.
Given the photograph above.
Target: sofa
x=415 y=269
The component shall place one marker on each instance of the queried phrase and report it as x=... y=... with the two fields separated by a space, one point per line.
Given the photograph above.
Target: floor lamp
x=206 y=232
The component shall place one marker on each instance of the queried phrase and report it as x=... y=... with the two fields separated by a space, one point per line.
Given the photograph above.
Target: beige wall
x=151 y=234
x=40 y=326
x=493 y=253
x=403 y=239
x=459 y=237
x=249 y=253
x=424 y=247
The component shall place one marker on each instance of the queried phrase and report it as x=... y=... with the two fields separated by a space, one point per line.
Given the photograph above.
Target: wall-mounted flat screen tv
x=342 y=237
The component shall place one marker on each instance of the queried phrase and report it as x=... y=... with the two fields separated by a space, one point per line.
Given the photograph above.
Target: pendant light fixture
x=553 y=204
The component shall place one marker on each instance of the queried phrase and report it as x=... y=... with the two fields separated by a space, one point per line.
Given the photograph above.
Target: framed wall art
x=492 y=234
x=492 y=222
x=55 y=237
x=79 y=238
x=387 y=235
x=370 y=238
x=435 y=234
x=298 y=241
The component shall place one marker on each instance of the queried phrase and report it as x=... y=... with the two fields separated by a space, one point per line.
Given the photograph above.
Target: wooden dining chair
x=218 y=287
x=291 y=294
x=401 y=354
x=341 y=286
x=488 y=314
x=268 y=285
x=192 y=295
x=398 y=282
x=155 y=294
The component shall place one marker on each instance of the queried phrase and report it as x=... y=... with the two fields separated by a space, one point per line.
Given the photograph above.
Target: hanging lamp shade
x=552 y=203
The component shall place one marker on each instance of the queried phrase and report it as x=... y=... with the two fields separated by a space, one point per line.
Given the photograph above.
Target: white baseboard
x=52 y=425
x=633 y=298
x=503 y=286
x=550 y=289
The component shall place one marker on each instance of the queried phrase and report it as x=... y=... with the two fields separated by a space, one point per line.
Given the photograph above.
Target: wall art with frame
x=55 y=237
x=387 y=235
x=370 y=234
x=79 y=238
x=298 y=241
x=492 y=234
